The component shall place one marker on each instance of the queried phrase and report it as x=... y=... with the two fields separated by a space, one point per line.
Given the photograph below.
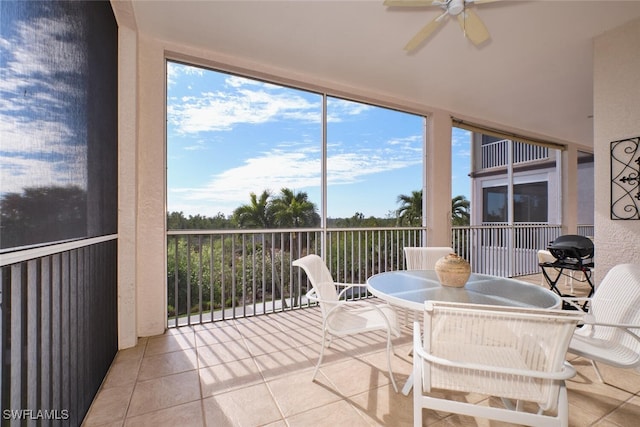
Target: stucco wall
x=127 y=188
x=151 y=252
x=616 y=116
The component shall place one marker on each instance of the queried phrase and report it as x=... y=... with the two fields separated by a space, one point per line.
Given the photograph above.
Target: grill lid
x=571 y=246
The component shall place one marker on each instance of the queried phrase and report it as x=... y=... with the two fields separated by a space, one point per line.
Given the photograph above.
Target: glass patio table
x=411 y=288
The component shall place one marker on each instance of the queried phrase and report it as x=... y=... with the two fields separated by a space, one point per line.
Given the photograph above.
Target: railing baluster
x=177 y=281
x=200 y=277
x=262 y=265
x=223 y=293
x=188 y=303
x=494 y=154
x=211 y=277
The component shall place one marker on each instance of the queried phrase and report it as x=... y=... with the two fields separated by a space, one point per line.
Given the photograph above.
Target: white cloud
x=248 y=101
x=221 y=111
x=175 y=71
x=296 y=167
x=272 y=171
x=460 y=137
x=339 y=109
x=17 y=173
x=238 y=81
x=35 y=135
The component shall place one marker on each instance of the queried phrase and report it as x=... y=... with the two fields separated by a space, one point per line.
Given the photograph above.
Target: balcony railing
x=224 y=274
x=496 y=154
x=59 y=329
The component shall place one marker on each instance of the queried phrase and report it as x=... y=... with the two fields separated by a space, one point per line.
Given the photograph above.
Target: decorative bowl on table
x=453 y=270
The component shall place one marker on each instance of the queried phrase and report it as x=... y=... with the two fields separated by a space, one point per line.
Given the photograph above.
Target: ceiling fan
x=471 y=24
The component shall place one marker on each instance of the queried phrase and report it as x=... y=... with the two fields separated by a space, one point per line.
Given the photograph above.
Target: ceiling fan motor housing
x=455 y=7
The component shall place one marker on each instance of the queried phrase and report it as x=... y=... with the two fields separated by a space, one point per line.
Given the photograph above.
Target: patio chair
x=513 y=353
x=611 y=334
x=340 y=317
x=424 y=258
x=544 y=256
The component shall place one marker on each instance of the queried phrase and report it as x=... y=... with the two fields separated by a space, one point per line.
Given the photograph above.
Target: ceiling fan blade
x=423 y=34
x=409 y=3
x=473 y=27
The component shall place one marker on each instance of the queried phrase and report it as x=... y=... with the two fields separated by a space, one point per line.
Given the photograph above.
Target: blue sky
x=228 y=136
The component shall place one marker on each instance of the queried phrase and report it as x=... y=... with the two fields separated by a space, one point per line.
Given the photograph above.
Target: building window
x=530 y=203
x=494 y=204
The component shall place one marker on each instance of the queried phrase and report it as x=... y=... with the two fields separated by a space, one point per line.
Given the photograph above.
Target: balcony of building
x=499 y=154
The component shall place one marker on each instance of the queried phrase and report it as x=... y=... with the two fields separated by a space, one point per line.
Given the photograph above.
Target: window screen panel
x=58 y=144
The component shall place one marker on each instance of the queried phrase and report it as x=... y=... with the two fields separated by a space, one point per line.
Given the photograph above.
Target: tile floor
x=257 y=372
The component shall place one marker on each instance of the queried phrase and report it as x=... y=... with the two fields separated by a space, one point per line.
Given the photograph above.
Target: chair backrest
x=617 y=300
x=320 y=278
x=424 y=258
x=546 y=256
x=504 y=338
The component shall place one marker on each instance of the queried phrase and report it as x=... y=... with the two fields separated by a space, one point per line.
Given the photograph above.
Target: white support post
x=437 y=186
x=569 y=195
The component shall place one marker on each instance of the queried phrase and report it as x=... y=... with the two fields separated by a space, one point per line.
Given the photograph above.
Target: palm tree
x=256 y=214
x=290 y=209
x=460 y=210
x=410 y=211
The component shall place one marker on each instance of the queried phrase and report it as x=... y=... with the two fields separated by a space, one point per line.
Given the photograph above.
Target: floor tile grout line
x=138 y=380
x=273 y=397
x=135 y=383
x=616 y=408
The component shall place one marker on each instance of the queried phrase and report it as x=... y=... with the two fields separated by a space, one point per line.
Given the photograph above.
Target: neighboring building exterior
x=515 y=182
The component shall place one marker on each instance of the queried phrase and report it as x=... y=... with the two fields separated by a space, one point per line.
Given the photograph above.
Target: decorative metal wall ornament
x=625 y=179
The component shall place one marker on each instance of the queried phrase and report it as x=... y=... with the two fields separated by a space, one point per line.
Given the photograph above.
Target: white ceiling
x=534 y=75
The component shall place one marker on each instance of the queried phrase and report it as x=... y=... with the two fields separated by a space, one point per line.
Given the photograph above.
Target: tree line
x=291 y=209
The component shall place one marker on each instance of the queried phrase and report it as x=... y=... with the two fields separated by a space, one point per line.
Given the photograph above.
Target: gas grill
x=571 y=252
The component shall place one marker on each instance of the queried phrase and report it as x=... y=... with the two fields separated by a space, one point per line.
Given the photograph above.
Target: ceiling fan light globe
x=455 y=7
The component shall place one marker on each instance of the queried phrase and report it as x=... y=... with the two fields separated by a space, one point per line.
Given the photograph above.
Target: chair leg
x=570 y=279
x=322 y=344
x=389 y=348
x=563 y=406
x=593 y=363
x=417 y=401
x=408 y=386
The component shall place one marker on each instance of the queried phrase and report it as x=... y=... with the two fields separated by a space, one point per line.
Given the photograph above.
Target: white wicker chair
x=516 y=354
x=612 y=331
x=341 y=318
x=424 y=258
x=545 y=256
